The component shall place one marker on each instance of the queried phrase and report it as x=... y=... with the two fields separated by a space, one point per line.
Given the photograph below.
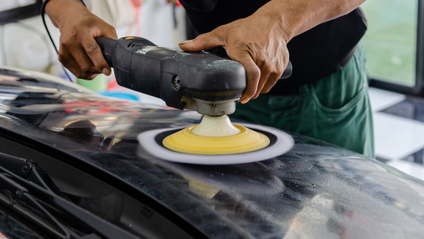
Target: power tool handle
x=287 y=72
x=107 y=45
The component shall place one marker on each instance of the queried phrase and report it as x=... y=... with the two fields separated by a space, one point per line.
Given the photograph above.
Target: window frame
x=418 y=88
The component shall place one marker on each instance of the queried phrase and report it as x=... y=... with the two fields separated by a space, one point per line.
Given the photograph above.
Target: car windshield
x=315 y=190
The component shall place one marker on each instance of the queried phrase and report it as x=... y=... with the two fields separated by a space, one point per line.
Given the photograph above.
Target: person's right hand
x=78 y=50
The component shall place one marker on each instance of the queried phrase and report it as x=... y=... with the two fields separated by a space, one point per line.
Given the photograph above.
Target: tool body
x=199 y=81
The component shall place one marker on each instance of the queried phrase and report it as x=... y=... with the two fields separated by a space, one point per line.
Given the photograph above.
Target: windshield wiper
x=17 y=194
x=29 y=170
x=36 y=195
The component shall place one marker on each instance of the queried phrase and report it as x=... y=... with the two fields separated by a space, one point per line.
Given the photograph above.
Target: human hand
x=258 y=42
x=78 y=49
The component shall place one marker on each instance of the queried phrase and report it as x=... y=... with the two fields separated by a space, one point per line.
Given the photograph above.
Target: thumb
x=203 y=42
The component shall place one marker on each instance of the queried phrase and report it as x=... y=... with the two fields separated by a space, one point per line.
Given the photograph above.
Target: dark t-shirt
x=313 y=54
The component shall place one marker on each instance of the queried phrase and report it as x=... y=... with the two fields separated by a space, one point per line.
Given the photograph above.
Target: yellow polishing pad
x=246 y=140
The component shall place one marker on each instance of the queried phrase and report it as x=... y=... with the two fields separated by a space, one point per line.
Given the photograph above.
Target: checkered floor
x=399 y=130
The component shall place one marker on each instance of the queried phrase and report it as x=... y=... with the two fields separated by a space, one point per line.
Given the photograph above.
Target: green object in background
x=99 y=83
x=390 y=41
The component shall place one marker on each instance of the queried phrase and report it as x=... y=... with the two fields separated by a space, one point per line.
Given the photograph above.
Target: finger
x=204 y=41
x=109 y=32
x=74 y=68
x=265 y=74
x=253 y=74
x=95 y=55
x=272 y=80
x=84 y=62
x=72 y=65
x=68 y=61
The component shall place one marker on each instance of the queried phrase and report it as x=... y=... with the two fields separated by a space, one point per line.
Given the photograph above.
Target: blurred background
x=394 y=44
x=26 y=45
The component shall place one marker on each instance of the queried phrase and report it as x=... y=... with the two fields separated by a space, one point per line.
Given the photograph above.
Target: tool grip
x=287 y=72
x=107 y=45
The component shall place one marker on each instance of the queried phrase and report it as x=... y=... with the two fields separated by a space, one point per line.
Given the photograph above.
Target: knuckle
x=279 y=71
x=63 y=58
x=74 y=33
x=111 y=29
x=256 y=74
x=265 y=66
x=85 y=68
x=65 y=43
x=91 y=48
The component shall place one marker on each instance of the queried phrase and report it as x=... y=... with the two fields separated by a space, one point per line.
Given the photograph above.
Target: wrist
x=59 y=10
x=280 y=16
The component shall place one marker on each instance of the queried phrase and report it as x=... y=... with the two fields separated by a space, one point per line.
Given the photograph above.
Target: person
x=325 y=98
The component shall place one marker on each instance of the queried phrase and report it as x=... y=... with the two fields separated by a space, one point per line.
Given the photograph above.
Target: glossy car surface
x=87 y=144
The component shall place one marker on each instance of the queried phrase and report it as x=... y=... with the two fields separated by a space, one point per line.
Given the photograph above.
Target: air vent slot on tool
x=135 y=44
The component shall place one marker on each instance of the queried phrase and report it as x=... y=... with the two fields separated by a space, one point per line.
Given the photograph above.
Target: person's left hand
x=258 y=42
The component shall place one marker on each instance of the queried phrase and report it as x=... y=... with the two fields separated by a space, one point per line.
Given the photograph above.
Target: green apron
x=335 y=109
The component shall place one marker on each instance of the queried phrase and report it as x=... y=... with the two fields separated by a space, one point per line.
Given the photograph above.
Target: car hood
x=316 y=190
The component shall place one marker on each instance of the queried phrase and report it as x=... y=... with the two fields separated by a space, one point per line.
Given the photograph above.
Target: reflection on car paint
x=316 y=190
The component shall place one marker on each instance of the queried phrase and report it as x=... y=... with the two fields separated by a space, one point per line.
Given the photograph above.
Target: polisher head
x=216 y=136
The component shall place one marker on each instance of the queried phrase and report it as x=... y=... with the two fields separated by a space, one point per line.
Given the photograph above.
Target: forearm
x=298 y=16
x=59 y=10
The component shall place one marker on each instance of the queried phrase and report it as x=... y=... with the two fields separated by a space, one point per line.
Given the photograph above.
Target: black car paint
x=316 y=190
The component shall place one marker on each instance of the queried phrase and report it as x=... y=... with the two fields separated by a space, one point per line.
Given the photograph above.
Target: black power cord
x=43 y=11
